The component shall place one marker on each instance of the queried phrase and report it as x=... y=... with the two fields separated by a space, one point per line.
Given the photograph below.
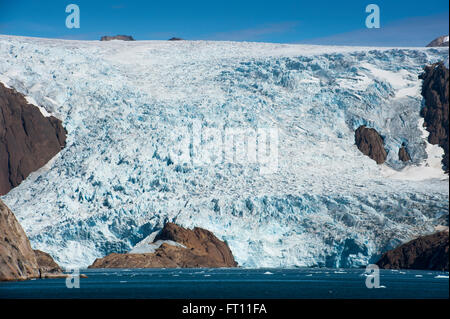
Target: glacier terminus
x=147 y=124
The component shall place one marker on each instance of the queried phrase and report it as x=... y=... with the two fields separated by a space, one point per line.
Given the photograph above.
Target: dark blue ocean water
x=235 y=283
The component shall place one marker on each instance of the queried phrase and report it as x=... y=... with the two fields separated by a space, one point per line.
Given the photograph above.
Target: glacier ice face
x=127 y=106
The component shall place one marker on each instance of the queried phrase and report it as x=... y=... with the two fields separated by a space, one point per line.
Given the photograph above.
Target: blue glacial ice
x=126 y=107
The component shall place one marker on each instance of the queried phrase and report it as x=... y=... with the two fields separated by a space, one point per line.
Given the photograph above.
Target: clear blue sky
x=403 y=22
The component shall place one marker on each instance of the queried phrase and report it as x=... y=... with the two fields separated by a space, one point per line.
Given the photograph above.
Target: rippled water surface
x=235 y=283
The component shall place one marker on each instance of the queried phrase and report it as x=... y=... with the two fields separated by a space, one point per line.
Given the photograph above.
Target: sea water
x=235 y=283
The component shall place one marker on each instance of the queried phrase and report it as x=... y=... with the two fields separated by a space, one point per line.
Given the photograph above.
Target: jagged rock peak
x=442 y=41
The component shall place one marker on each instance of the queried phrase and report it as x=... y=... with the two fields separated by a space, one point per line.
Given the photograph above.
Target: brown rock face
x=428 y=252
x=403 y=154
x=17 y=259
x=117 y=37
x=28 y=140
x=370 y=143
x=435 y=90
x=203 y=249
x=200 y=241
x=46 y=263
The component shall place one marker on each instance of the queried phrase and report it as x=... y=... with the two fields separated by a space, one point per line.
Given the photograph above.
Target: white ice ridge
x=148 y=246
x=125 y=106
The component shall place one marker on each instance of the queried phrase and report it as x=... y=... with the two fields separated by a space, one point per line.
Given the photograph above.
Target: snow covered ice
x=124 y=105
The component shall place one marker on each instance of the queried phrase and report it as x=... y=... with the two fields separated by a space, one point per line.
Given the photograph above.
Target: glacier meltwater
x=126 y=107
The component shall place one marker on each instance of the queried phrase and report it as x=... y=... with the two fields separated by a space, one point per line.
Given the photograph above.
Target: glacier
x=126 y=105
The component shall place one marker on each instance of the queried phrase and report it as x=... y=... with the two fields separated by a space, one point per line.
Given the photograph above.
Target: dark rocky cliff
x=17 y=260
x=28 y=139
x=439 y=42
x=427 y=252
x=435 y=90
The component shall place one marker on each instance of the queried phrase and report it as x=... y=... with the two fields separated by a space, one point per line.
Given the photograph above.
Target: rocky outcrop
x=117 y=37
x=199 y=248
x=439 y=42
x=46 y=263
x=17 y=260
x=427 y=252
x=403 y=154
x=435 y=90
x=28 y=139
x=370 y=143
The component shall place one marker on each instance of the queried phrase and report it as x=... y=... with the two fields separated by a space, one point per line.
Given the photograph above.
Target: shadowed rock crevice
x=200 y=248
x=28 y=139
x=370 y=143
x=435 y=90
